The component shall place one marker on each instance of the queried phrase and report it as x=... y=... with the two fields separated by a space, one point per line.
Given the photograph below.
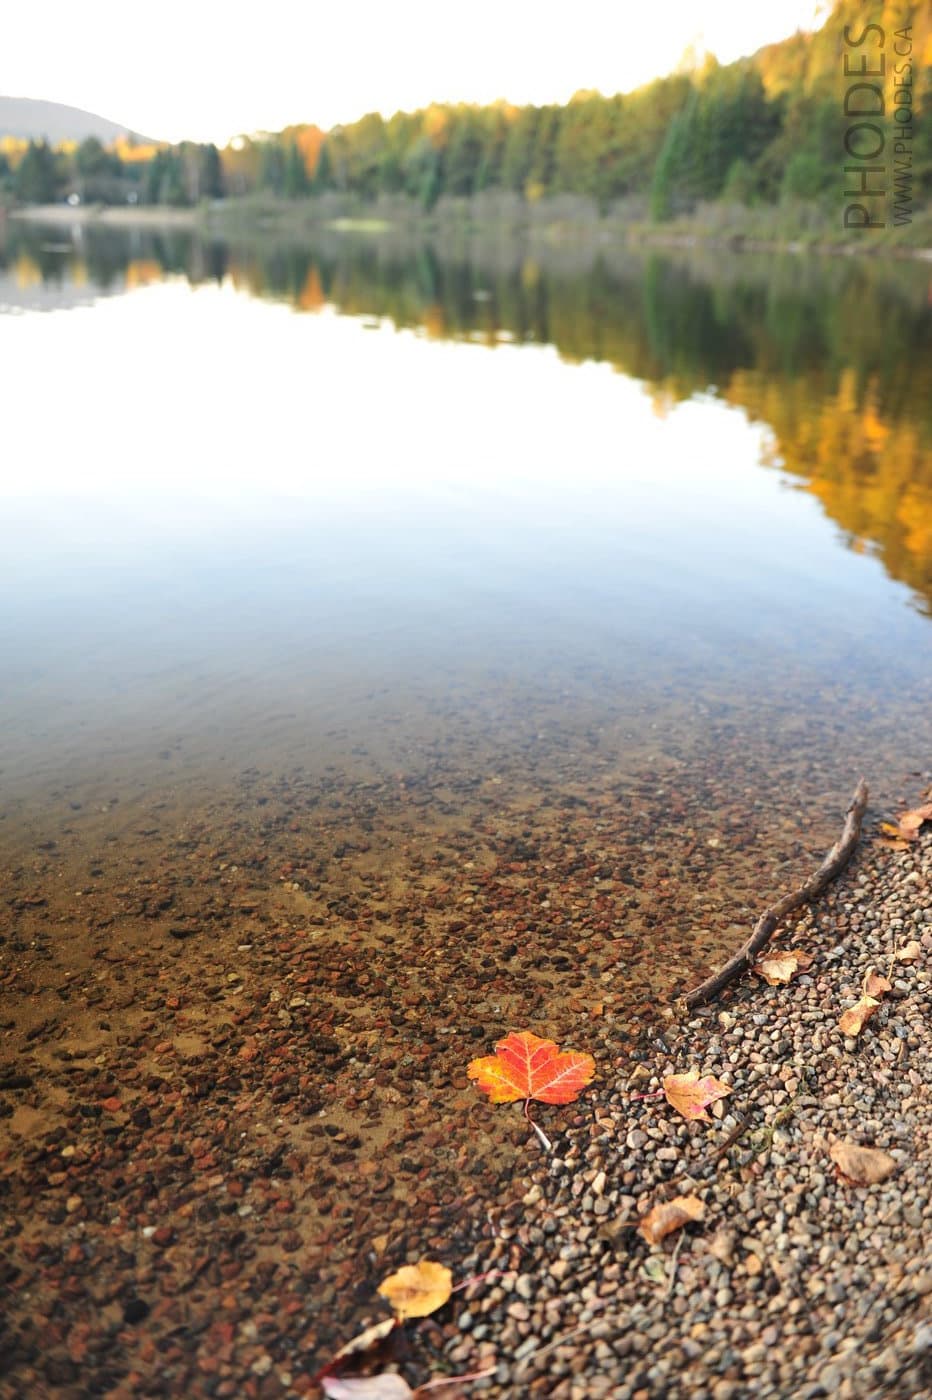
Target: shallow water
x=396 y=650
x=624 y=556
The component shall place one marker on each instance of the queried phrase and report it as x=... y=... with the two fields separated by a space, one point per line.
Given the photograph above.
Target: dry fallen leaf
x=368 y=1339
x=911 y=953
x=910 y=822
x=876 y=985
x=853 y=1021
x=863 y=1166
x=387 y=1386
x=526 y=1067
x=375 y=1346
x=669 y=1216
x=417 y=1289
x=895 y=844
x=778 y=967
x=690 y=1095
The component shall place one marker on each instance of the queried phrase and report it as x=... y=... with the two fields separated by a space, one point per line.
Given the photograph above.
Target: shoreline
x=797 y=1282
x=180 y=1219
x=296 y=220
x=109 y=216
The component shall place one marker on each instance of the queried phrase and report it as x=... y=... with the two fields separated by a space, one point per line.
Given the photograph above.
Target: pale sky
x=208 y=70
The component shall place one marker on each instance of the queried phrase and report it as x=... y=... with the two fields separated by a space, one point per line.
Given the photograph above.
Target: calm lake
x=496 y=596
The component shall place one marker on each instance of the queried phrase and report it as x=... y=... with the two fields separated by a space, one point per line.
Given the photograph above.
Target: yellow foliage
x=142 y=272
x=131 y=153
x=434 y=321
x=27 y=272
x=436 y=121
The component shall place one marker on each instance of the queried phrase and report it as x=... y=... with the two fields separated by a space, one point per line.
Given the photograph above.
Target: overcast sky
x=208 y=70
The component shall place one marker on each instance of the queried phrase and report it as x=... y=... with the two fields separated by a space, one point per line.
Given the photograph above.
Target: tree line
x=756 y=131
x=94 y=174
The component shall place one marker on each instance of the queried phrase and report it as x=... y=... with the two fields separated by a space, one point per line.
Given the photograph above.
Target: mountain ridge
x=31 y=118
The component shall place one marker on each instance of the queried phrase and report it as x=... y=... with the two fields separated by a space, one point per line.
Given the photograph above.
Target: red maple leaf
x=526 y=1067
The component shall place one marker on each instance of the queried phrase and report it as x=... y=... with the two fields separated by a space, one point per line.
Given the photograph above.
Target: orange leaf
x=526 y=1067
x=781 y=967
x=690 y=1095
x=862 y=1166
x=418 y=1289
x=669 y=1216
x=853 y=1021
x=911 y=953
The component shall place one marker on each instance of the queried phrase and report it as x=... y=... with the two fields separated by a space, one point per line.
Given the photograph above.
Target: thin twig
x=454 y=1380
x=558 y=1342
x=737 y=1132
x=480 y=1278
x=671 y=1280
x=833 y=864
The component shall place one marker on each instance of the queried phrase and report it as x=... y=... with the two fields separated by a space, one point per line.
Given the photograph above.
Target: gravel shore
x=175 y=1229
x=796 y=1283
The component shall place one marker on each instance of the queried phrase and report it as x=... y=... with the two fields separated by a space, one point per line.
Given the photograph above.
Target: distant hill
x=30 y=119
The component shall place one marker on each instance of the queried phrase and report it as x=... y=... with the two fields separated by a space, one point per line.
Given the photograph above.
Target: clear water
x=527 y=528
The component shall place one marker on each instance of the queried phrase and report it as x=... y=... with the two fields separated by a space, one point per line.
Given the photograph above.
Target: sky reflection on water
x=210 y=499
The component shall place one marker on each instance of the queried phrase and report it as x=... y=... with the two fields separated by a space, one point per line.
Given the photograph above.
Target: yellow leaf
x=418 y=1289
x=853 y=1021
x=669 y=1216
x=781 y=967
x=690 y=1095
x=864 y=1166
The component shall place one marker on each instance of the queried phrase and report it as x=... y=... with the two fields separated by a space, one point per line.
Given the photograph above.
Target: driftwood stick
x=833 y=864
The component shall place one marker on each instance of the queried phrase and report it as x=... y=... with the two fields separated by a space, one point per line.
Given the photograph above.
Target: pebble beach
x=796 y=1282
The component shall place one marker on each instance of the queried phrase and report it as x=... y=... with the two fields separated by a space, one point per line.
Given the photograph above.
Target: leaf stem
x=544 y=1140
x=478 y=1278
x=452 y=1380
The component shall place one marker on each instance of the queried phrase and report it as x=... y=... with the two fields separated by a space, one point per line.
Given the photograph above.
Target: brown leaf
x=374 y=1346
x=669 y=1216
x=876 y=985
x=911 y=953
x=776 y=967
x=368 y=1339
x=418 y=1289
x=895 y=845
x=863 y=1166
x=910 y=822
x=853 y=1021
x=690 y=1095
